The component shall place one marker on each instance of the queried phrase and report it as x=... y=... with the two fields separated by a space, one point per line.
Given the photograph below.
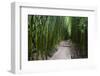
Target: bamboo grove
x=45 y=32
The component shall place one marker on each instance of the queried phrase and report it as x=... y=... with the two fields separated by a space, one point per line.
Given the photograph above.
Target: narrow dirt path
x=63 y=52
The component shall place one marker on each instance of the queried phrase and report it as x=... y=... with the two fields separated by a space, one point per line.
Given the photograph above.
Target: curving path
x=63 y=52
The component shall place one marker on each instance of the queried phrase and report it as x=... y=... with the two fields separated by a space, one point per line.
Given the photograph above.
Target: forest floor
x=63 y=52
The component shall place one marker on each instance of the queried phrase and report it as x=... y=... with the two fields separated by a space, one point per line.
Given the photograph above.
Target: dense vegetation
x=45 y=32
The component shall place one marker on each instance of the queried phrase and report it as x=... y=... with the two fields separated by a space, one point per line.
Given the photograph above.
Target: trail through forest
x=57 y=37
x=63 y=52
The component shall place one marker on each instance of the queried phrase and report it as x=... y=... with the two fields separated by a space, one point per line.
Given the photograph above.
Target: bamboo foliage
x=79 y=34
x=45 y=32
